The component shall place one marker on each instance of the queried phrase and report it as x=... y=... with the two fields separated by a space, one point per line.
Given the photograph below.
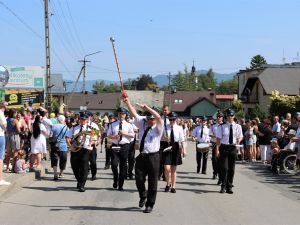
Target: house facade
x=192 y=103
x=255 y=86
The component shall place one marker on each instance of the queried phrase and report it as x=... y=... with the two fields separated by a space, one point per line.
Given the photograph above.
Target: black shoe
x=203 y=172
x=81 y=189
x=167 y=188
x=55 y=178
x=214 y=177
x=115 y=185
x=219 y=182
x=222 y=191
x=148 y=209
x=106 y=167
x=142 y=202
x=173 y=190
x=229 y=191
x=120 y=189
x=131 y=177
x=78 y=186
x=94 y=177
x=198 y=169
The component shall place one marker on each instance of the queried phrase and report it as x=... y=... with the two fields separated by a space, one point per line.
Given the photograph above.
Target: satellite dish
x=4 y=76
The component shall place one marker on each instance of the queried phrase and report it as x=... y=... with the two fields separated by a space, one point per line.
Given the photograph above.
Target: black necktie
x=165 y=124
x=172 y=136
x=230 y=135
x=143 y=139
x=120 y=129
x=201 y=134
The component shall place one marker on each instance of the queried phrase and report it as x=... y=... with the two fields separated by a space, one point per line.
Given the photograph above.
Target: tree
x=257 y=61
x=100 y=86
x=207 y=81
x=283 y=104
x=145 y=82
x=228 y=86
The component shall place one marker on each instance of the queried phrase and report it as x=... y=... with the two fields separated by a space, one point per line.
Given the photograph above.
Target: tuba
x=79 y=139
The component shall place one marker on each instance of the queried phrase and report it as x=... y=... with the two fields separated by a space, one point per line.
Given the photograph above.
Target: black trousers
x=119 y=159
x=163 y=145
x=56 y=155
x=80 y=165
x=147 y=165
x=107 y=156
x=201 y=156
x=131 y=158
x=214 y=160
x=227 y=165
x=93 y=160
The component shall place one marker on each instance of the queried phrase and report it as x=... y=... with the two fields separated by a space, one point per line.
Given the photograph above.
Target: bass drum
x=203 y=147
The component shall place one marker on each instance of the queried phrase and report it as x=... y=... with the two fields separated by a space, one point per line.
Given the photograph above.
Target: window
x=178 y=101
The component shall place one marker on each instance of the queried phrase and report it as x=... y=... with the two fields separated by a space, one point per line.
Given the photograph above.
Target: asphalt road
x=259 y=198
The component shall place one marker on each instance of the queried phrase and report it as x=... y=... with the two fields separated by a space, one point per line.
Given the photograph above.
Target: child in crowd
x=21 y=165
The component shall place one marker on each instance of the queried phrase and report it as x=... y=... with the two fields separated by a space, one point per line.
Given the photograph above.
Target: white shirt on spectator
x=276 y=127
x=2 y=122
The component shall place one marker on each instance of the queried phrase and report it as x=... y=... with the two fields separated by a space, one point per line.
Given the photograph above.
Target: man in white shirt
x=228 y=136
x=148 y=161
x=80 y=135
x=121 y=133
x=276 y=126
x=201 y=134
x=165 y=139
x=3 y=125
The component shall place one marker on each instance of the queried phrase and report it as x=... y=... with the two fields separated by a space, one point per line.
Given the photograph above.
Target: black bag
x=53 y=139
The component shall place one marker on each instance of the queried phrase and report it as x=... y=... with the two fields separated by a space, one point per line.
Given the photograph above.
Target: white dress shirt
x=165 y=136
x=213 y=132
x=114 y=130
x=205 y=135
x=178 y=132
x=152 y=139
x=224 y=130
x=2 y=122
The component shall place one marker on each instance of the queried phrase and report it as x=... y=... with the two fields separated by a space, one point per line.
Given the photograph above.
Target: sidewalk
x=18 y=181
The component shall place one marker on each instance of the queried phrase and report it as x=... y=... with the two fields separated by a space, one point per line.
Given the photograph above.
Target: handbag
x=53 y=140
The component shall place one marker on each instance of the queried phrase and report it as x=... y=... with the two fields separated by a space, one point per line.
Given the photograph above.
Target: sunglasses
x=231 y=115
x=172 y=119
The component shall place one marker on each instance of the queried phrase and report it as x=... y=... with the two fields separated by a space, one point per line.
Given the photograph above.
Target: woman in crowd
x=254 y=138
x=265 y=137
x=13 y=138
x=249 y=140
x=38 y=142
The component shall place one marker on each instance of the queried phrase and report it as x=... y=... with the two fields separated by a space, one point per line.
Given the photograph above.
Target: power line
x=75 y=29
x=34 y=32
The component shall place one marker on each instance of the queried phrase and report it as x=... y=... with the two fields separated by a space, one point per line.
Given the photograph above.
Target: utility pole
x=48 y=69
x=84 y=61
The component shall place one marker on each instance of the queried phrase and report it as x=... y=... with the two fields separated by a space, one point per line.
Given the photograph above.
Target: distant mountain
x=161 y=80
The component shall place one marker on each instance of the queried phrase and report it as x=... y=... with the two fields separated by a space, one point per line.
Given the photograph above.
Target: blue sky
x=152 y=36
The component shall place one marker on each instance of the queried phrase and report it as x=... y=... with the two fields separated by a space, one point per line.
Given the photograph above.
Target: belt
x=120 y=144
x=148 y=154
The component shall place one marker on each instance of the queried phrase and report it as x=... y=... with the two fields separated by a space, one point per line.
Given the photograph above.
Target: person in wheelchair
x=280 y=154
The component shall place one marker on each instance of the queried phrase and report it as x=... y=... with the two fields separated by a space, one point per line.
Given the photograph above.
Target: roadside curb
x=19 y=181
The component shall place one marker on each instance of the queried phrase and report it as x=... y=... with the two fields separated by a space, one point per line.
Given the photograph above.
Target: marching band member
x=201 y=134
x=164 y=142
x=172 y=158
x=121 y=132
x=213 y=134
x=80 y=144
x=148 y=161
x=131 y=151
x=228 y=136
x=107 y=141
x=96 y=138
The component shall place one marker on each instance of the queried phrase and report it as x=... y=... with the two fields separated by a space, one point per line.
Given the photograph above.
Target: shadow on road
x=268 y=177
